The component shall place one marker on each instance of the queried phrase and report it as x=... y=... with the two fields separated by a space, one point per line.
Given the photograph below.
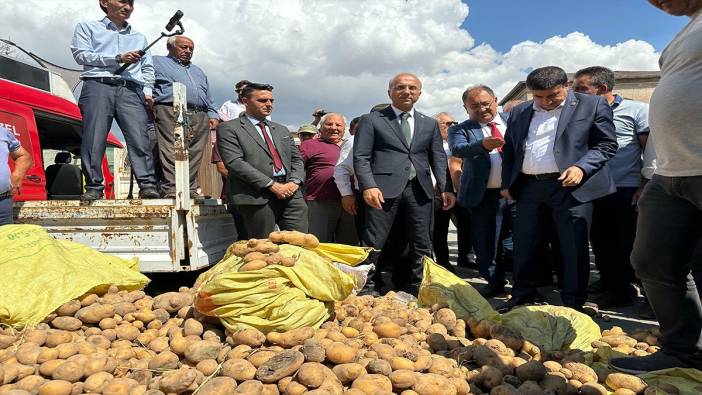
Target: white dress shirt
x=410 y=119
x=343 y=171
x=495 y=177
x=538 y=148
x=255 y=123
x=231 y=109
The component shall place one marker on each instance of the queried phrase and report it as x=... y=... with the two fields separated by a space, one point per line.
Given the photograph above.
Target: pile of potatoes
x=259 y=253
x=131 y=343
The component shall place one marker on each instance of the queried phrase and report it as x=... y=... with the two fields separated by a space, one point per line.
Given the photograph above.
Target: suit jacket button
x=407 y=168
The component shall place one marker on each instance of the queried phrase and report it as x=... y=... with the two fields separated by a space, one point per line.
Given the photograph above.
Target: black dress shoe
x=491 y=291
x=610 y=299
x=596 y=287
x=467 y=262
x=91 y=195
x=650 y=363
x=149 y=193
x=536 y=300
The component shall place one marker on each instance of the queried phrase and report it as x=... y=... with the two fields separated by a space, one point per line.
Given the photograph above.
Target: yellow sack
x=342 y=253
x=553 y=327
x=46 y=273
x=275 y=298
x=443 y=287
x=550 y=327
x=688 y=381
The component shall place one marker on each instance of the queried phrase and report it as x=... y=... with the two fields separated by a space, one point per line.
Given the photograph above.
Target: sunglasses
x=450 y=123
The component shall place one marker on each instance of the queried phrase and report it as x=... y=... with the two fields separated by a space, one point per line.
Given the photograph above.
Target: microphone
x=174 y=19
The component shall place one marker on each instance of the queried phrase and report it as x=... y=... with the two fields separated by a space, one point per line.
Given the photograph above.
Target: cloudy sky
x=339 y=54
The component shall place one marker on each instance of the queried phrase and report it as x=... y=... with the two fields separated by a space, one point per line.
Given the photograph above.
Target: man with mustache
x=202 y=114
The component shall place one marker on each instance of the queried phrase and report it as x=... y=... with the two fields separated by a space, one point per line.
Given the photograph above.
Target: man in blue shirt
x=614 y=216
x=11 y=180
x=202 y=115
x=101 y=47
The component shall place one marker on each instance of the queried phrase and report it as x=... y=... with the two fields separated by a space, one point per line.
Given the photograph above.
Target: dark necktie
x=495 y=132
x=277 y=163
x=407 y=132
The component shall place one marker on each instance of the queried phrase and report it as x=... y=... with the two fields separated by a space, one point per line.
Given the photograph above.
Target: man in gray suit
x=395 y=150
x=265 y=166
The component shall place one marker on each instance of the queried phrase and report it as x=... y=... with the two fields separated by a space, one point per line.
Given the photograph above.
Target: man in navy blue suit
x=478 y=141
x=555 y=154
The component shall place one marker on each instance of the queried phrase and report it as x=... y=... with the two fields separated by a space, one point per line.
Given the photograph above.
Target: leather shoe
x=491 y=291
x=536 y=299
x=610 y=299
x=467 y=262
x=149 y=193
x=90 y=195
x=650 y=363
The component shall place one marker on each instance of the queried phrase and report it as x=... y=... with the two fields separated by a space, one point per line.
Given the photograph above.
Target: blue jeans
x=100 y=104
x=6 y=211
x=666 y=249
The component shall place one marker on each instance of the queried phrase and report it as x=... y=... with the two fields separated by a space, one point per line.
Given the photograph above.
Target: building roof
x=620 y=76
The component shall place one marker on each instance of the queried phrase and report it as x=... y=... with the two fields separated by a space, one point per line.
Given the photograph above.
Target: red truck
x=167 y=235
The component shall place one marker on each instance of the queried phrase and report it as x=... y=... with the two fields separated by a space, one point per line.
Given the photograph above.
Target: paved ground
x=626 y=317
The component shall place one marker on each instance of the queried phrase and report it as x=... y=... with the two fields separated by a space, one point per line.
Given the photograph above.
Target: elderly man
x=101 y=47
x=555 y=151
x=233 y=108
x=395 y=152
x=614 y=216
x=202 y=115
x=478 y=141
x=668 y=233
x=327 y=219
x=11 y=181
x=264 y=166
x=306 y=132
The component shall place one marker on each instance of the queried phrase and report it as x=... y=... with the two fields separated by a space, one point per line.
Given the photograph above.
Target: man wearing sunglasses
x=264 y=166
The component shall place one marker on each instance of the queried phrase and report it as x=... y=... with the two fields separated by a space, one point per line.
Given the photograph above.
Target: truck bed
x=163 y=238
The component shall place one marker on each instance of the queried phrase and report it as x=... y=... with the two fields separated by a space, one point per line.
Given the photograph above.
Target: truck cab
x=38 y=106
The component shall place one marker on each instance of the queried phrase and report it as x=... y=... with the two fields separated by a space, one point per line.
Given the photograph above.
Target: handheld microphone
x=174 y=19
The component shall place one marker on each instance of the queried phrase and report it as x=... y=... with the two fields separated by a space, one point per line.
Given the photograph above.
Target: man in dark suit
x=555 y=154
x=478 y=141
x=265 y=166
x=395 y=150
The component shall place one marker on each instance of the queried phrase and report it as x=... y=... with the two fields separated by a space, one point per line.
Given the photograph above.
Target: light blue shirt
x=170 y=70
x=95 y=45
x=255 y=123
x=631 y=120
x=8 y=143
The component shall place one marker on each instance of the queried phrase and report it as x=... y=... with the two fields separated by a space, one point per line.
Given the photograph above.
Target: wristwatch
x=118 y=58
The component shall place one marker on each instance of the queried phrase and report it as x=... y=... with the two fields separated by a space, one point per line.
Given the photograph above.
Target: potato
x=66 y=323
x=504 y=389
x=489 y=377
x=253 y=265
x=279 y=366
x=531 y=370
x=379 y=366
x=238 y=369
x=400 y=363
x=581 y=372
x=254 y=256
x=348 y=372
x=509 y=337
x=31 y=384
x=288 y=261
x=28 y=353
x=290 y=338
x=339 y=353
x=171 y=302
x=68 y=371
x=250 y=337
x=177 y=381
x=617 y=340
x=554 y=384
x=403 y=379
x=624 y=391
x=260 y=357
x=626 y=381
x=165 y=361
x=388 y=330
x=313 y=351
x=372 y=383
x=97 y=381
x=94 y=313
x=311 y=374
x=202 y=350
x=295 y=388
x=445 y=317
x=218 y=386
x=433 y=384
x=207 y=367
x=276 y=237
x=56 y=387
x=310 y=241
x=251 y=387
x=119 y=386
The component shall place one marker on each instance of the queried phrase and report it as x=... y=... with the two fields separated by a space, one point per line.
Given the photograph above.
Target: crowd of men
x=534 y=185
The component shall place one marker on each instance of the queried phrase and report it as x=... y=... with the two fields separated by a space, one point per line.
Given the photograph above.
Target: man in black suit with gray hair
x=395 y=151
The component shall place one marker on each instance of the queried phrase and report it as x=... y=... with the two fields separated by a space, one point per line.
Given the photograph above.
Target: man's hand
x=16 y=184
x=448 y=199
x=291 y=188
x=131 y=57
x=490 y=143
x=637 y=195
x=213 y=123
x=348 y=203
x=374 y=198
x=279 y=190
x=149 y=103
x=572 y=176
x=505 y=194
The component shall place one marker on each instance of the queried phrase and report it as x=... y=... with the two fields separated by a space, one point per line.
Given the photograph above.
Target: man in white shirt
x=555 y=154
x=478 y=141
x=231 y=109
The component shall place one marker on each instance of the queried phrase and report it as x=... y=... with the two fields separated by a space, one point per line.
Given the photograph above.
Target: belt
x=190 y=107
x=5 y=195
x=114 y=81
x=543 y=176
x=280 y=179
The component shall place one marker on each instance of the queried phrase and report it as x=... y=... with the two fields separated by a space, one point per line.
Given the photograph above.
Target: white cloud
x=336 y=54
